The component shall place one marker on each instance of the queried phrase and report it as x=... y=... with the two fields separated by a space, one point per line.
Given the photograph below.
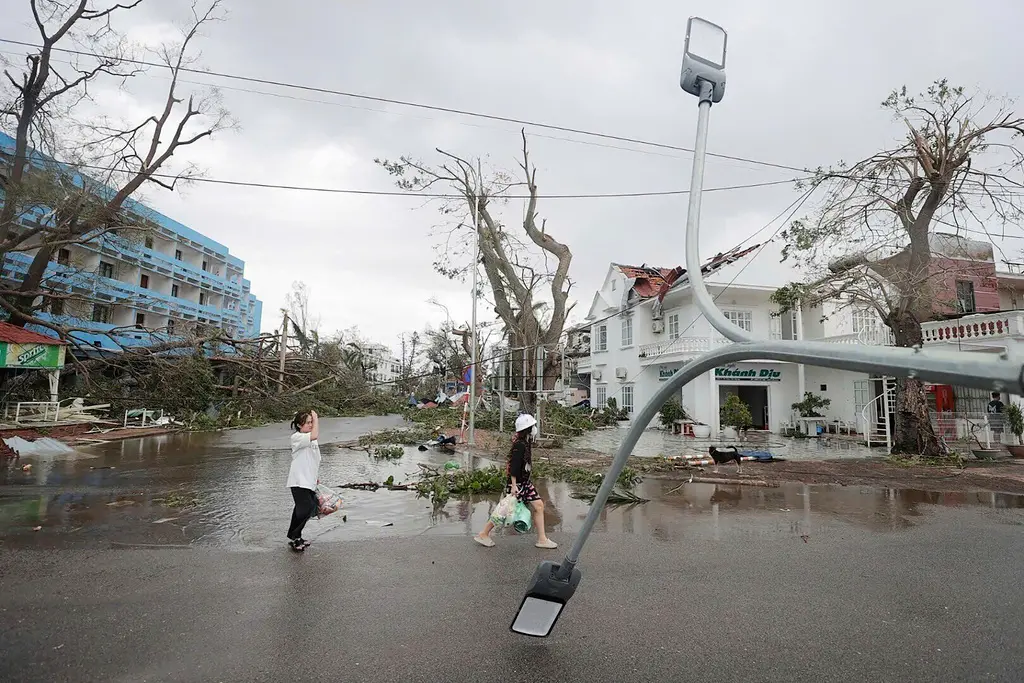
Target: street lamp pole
x=473 y=337
x=553 y=584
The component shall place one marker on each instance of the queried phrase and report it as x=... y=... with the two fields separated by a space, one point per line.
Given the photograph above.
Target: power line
x=415 y=105
x=423 y=195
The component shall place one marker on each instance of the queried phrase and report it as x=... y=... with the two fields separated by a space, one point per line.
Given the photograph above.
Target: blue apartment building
x=167 y=283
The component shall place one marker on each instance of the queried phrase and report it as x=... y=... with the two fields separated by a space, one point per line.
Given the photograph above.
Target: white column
x=713 y=403
x=54 y=378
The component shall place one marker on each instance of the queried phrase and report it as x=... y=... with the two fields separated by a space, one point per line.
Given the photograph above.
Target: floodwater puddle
x=228 y=490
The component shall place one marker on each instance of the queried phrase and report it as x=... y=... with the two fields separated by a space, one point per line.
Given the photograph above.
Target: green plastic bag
x=522 y=518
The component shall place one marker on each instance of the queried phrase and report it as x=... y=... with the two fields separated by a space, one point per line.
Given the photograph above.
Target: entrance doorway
x=756 y=398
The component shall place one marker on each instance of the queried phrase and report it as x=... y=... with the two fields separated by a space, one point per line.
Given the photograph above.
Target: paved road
x=940 y=600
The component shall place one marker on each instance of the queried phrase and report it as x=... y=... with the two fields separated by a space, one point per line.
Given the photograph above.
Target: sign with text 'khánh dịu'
x=746 y=374
x=32 y=355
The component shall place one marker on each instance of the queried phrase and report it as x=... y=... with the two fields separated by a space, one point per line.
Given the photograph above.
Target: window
x=627 y=332
x=965 y=296
x=864 y=319
x=149 y=243
x=673 y=326
x=788 y=326
x=106 y=269
x=177 y=254
x=205 y=265
x=202 y=298
x=63 y=257
x=613 y=285
x=140 y=320
x=601 y=396
x=57 y=306
x=741 y=319
x=174 y=290
x=100 y=313
x=170 y=326
x=627 y=397
x=824 y=387
x=144 y=281
x=602 y=338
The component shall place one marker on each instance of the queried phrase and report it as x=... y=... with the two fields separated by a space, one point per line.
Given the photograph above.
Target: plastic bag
x=522 y=518
x=502 y=514
x=328 y=501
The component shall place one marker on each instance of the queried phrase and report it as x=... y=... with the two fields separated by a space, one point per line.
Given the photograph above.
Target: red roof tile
x=12 y=334
x=651 y=281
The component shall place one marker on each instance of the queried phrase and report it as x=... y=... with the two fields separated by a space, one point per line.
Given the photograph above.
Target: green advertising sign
x=746 y=374
x=32 y=355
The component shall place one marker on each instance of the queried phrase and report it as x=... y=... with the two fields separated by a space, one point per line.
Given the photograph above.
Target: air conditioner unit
x=620 y=373
x=658 y=326
x=596 y=375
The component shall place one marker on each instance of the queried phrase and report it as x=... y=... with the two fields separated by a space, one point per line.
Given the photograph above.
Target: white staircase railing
x=874 y=418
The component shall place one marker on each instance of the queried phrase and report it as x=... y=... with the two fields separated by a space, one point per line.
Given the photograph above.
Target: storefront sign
x=666 y=373
x=736 y=373
x=32 y=355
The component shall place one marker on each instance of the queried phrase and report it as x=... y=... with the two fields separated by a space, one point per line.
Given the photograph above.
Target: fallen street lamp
x=553 y=584
x=549 y=590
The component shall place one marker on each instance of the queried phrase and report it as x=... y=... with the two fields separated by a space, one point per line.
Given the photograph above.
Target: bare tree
x=517 y=270
x=870 y=244
x=305 y=326
x=52 y=203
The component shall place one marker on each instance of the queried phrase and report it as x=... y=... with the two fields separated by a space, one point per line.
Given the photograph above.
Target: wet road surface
x=705 y=582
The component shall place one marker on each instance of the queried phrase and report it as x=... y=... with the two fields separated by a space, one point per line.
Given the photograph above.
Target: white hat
x=525 y=421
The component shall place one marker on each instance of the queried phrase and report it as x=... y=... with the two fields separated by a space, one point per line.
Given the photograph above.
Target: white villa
x=645 y=327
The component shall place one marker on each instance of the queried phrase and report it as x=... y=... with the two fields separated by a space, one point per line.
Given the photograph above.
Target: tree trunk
x=914 y=432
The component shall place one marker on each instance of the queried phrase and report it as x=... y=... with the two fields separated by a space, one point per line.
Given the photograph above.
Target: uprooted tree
x=870 y=243
x=516 y=269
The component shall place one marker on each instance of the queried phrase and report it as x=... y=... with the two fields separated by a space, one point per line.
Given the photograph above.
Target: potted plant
x=735 y=415
x=981 y=452
x=671 y=412
x=701 y=430
x=1015 y=421
x=811 y=405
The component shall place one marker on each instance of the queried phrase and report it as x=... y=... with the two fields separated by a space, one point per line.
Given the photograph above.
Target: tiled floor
x=654 y=442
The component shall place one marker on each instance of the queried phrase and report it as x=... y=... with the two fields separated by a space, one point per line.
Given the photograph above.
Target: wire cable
x=416 y=105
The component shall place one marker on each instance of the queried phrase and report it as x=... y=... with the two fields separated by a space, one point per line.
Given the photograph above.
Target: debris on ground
x=41 y=446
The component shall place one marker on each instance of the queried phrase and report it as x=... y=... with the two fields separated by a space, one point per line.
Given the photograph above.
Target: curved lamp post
x=553 y=584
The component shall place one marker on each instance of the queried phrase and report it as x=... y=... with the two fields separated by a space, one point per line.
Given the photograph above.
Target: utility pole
x=283 y=352
x=540 y=351
x=476 y=266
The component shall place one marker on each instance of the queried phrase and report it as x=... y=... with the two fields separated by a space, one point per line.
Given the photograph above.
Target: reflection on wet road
x=227 y=490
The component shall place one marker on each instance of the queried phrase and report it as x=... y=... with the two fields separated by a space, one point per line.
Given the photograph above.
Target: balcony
x=870 y=336
x=975 y=329
x=673 y=349
x=584 y=364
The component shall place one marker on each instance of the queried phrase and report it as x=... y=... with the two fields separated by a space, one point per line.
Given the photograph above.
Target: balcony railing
x=584 y=364
x=870 y=336
x=686 y=346
x=975 y=328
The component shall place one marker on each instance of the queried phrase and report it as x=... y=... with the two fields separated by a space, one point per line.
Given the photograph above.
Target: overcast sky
x=805 y=82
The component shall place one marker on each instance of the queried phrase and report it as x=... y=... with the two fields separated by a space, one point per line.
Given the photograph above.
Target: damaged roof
x=650 y=281
x=12 y=334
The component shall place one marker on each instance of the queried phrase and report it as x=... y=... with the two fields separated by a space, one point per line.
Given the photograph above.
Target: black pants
x=305 y=507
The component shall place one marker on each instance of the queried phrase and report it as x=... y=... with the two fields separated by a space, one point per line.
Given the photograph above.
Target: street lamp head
x=704 y=59
x=545 y=599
